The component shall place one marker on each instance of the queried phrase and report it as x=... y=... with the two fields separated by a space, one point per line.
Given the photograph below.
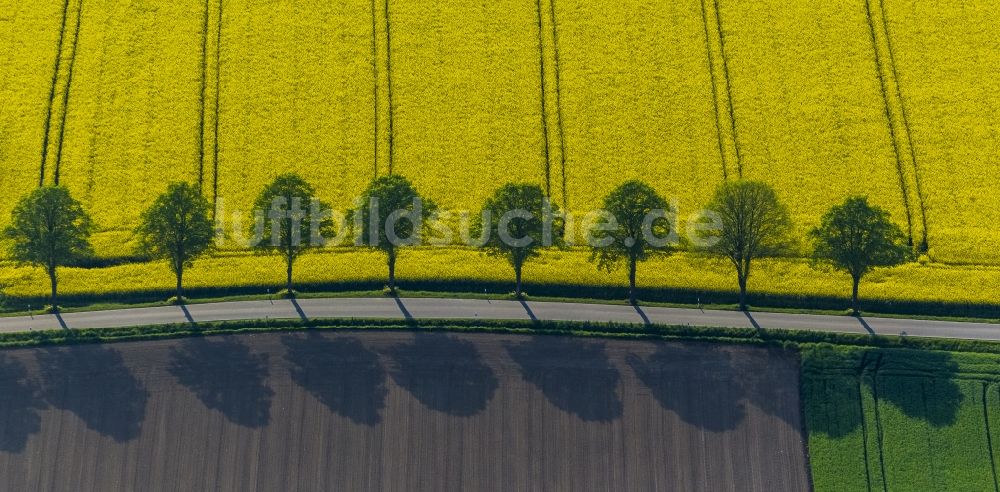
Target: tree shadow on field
x=340 y=372
x=94 y=383
x=575 y=375
x=444 y=373
x=20 y=402
x=225 y=376
x=921 y=385
x=697 y=382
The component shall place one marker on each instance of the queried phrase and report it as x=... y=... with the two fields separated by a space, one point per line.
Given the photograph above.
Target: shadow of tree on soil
x=340 y=372
x=698 y=382
x=94 y=383
x=225 y=376
x=444 y=373
x=575 y=375
x=20 y=402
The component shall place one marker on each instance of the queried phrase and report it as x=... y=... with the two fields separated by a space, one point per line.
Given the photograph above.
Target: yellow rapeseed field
x=891 y=99
x=947 y=55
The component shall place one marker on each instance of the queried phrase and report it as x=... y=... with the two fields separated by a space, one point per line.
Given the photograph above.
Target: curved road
x=436 y=308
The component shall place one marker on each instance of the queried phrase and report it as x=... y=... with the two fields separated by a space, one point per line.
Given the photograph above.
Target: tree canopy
x=753 y=224
x=178 y=228
x=391 y=214
x=855 y=237
x=521 y=222
x=637 y=227
x=49 y=229
x=294 y=221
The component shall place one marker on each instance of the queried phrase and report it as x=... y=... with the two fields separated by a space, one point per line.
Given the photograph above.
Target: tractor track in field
x=67 y=91
x=715 y=91
x=887 y=112
x=52 y=93
x=989 y=437
x=215 y=122
x=375 y=91
x=897 y=119
x=729 y=88
x=202 y=97
x=864 y=422
x=388 y=85
x=544 y=113
x=557 y=71
x=906 y=122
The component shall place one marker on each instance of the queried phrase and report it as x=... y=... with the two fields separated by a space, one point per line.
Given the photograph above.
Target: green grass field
x=901 y=419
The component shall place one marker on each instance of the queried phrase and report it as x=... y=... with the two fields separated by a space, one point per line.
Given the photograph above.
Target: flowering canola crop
x=891 y=99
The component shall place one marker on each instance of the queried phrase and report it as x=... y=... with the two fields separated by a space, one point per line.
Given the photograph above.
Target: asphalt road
x=432 y=308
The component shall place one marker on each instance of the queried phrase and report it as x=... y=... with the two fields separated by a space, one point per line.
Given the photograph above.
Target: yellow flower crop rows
x=808 y=104
x=132 y=124
x=28 y=33
x=296 y=94
x=947 y=55
x=636 y=100
x=628 y=91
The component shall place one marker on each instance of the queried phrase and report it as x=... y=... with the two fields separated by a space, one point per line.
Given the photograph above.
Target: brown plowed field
x=400 y=411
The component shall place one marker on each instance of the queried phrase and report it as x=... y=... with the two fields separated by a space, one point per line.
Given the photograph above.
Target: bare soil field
x=400 y=411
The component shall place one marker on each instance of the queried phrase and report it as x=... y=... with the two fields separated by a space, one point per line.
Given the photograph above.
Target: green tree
x=521 y=222
x=178 y=228
x=753 y=224
x=391 y=215
x=50 y=229
x=855 y=237
x=291 y=211
x=637 y=228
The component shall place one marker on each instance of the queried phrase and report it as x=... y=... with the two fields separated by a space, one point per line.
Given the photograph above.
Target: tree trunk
x=288 y=274
x=180 y=283
x=631 y=281
x=743 y=292
x=854 y=296
x=392 y=271
x=517 y=281
x=53 y=282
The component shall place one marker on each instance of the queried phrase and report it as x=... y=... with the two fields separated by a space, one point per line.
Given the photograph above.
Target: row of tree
x=50 y=229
